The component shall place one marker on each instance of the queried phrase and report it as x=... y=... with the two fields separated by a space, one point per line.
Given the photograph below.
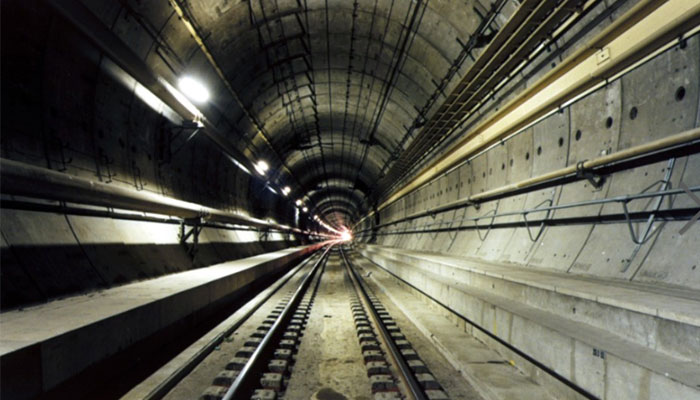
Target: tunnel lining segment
x=639 y=33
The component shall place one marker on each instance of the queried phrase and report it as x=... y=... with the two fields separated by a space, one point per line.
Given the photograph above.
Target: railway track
x=261 y=368
x=395 y=369
x=279 y=353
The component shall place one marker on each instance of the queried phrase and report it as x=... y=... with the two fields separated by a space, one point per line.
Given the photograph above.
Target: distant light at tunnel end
x=344 y=234
x=193 y=89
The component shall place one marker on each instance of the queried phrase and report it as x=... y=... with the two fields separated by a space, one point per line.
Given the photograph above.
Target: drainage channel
x=261 y=368
x=395 y=369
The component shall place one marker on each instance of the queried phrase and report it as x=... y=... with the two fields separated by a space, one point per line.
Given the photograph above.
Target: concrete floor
x=329 y=357
x=201 y=377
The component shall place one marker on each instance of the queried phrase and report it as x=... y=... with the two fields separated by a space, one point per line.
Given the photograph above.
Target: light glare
x=193 y=89
x=261 y=167
x=299 y=202
x=305 y=209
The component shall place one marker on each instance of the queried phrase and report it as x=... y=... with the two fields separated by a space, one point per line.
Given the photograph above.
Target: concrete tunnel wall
x=514 y=287
x=601 y=123
x=74 y=111
x=64 y=108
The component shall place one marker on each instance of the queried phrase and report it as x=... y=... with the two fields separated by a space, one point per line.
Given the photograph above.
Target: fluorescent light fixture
x=305 y=209
x=261 y=167
x=286 y=190
x=193 y=89
x=299 y=202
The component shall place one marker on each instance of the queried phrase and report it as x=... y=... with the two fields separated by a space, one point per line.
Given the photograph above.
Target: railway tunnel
x=366 y=199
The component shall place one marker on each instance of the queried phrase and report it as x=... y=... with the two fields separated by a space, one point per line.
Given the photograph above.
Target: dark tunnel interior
x=516 y=180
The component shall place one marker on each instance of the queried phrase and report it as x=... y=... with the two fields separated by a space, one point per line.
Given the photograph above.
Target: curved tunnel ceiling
x=335 y=85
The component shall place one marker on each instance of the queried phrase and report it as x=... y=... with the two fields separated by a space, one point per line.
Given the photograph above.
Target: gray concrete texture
x=46 y=346
x=326 y=93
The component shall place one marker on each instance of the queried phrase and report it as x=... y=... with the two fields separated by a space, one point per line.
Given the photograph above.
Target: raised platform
x=45 y=346
x=605 y=336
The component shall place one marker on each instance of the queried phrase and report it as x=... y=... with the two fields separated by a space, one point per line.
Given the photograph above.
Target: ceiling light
x=286 y=190
x=193 y=89
x=261 y=167
x=298 y=202
x=305 y=209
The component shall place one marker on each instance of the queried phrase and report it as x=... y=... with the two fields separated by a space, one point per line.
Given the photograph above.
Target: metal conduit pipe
x=688 y=136
x=21 y=179
x=646 y=27
x=109 y=43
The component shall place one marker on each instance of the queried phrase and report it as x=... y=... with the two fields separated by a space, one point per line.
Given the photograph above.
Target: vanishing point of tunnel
x=350 y=199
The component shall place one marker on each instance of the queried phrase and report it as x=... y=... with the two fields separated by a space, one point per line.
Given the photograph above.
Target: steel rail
x=245 y=383
x=180 y=373
x=572 y=385
x=414 y=389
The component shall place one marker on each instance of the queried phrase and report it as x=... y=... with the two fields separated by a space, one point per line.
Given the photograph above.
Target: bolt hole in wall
x=578 y=135
x=561 y=141
x=609 y=122
x=539 y=150
x=633 y=113
x=680 y=93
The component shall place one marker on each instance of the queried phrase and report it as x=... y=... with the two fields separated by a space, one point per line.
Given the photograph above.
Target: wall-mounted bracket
x=263 y=234
x=195 y=228
x=594 y=179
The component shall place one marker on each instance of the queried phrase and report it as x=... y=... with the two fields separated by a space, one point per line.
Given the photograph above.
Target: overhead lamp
x=193 y=89
x=286 y=190
x=305 y=209
x=298 y=202
x=262 y=167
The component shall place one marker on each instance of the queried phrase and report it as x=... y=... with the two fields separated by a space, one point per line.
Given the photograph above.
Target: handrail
x=20 y=179
x=646 y=27
x=686 y=137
